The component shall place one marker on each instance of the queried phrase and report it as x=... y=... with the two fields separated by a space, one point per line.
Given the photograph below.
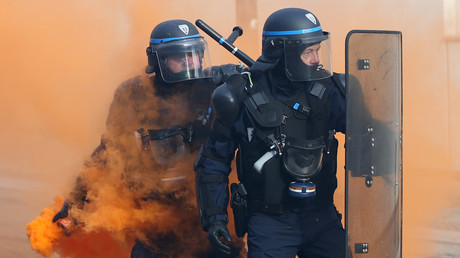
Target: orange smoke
x=112 y=219
x=57 y=75
x=118 y=208
x=108 y=223
x=129 y=196
x=42 y=232
x=47 y=238
x=98 y=244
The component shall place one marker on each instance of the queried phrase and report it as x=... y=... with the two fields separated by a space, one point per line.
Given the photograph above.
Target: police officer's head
x=294 y=38
x=177 y=52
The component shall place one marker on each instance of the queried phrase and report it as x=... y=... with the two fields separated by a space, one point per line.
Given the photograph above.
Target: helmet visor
x=306 y=60
x=184 y=60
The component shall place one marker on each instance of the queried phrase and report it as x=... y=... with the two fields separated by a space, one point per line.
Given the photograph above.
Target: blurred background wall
x=60 y=62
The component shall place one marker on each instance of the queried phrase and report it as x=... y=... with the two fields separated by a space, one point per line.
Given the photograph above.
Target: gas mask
x=302 y=159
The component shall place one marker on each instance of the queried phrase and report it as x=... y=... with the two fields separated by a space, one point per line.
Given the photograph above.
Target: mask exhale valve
x=302 y=189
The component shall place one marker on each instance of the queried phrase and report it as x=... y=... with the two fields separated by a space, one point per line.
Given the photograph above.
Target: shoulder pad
x=263 y=108
x=318 y=90
x=226 y=99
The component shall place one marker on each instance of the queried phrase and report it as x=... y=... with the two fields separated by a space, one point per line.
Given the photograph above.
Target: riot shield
x=373 y=206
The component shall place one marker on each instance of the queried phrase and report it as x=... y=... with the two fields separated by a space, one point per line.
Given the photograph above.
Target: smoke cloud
x=129 y=195
x=61 y=63
x=61 y=80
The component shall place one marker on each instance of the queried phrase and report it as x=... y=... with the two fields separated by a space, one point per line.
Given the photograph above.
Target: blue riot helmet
x=178 y=52
x=295 y=36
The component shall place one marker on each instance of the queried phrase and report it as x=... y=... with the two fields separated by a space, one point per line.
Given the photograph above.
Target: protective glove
x=63 y=213
x=222 y=72
x=215 y=232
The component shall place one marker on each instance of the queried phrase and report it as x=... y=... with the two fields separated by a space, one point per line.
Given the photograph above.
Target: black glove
x=63 y=213
x=222 y=72
x=215 y=232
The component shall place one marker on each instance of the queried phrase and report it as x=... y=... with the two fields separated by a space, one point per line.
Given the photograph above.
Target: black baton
x=226 y=43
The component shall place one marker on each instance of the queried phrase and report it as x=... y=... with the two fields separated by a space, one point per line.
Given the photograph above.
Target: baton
x=227 y=43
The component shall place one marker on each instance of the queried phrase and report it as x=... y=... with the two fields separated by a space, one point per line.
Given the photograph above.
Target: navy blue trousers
x=142 y=251
x=308 y=234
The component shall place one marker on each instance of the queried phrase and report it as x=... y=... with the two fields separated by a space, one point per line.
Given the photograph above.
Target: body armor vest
x=278 y=125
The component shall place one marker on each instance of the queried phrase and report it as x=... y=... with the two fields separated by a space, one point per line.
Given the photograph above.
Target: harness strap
x=304 y=109
x=298 y=103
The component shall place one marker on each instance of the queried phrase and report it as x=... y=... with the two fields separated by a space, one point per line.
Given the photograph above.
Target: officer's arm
x=213 y=163
x=118 y=112
x=212 y=169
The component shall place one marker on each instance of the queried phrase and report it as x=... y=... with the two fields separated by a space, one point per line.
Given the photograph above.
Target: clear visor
x=308 y=61
x=184 y=60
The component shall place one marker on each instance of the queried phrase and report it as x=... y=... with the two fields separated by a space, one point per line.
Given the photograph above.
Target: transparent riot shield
x=373 y=207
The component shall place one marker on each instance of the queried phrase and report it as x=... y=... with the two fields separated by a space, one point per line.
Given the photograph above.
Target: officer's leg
x=273 y=236
x=325 y=235
x=140 y=250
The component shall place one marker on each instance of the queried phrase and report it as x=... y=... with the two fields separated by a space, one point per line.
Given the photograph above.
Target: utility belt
x=261 y=206
x=291 y=203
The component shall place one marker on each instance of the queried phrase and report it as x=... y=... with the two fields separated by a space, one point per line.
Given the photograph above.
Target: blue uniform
x=306 y=227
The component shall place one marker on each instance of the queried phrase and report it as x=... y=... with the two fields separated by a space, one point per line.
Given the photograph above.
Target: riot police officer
x=168 y=110
x=281 y=118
